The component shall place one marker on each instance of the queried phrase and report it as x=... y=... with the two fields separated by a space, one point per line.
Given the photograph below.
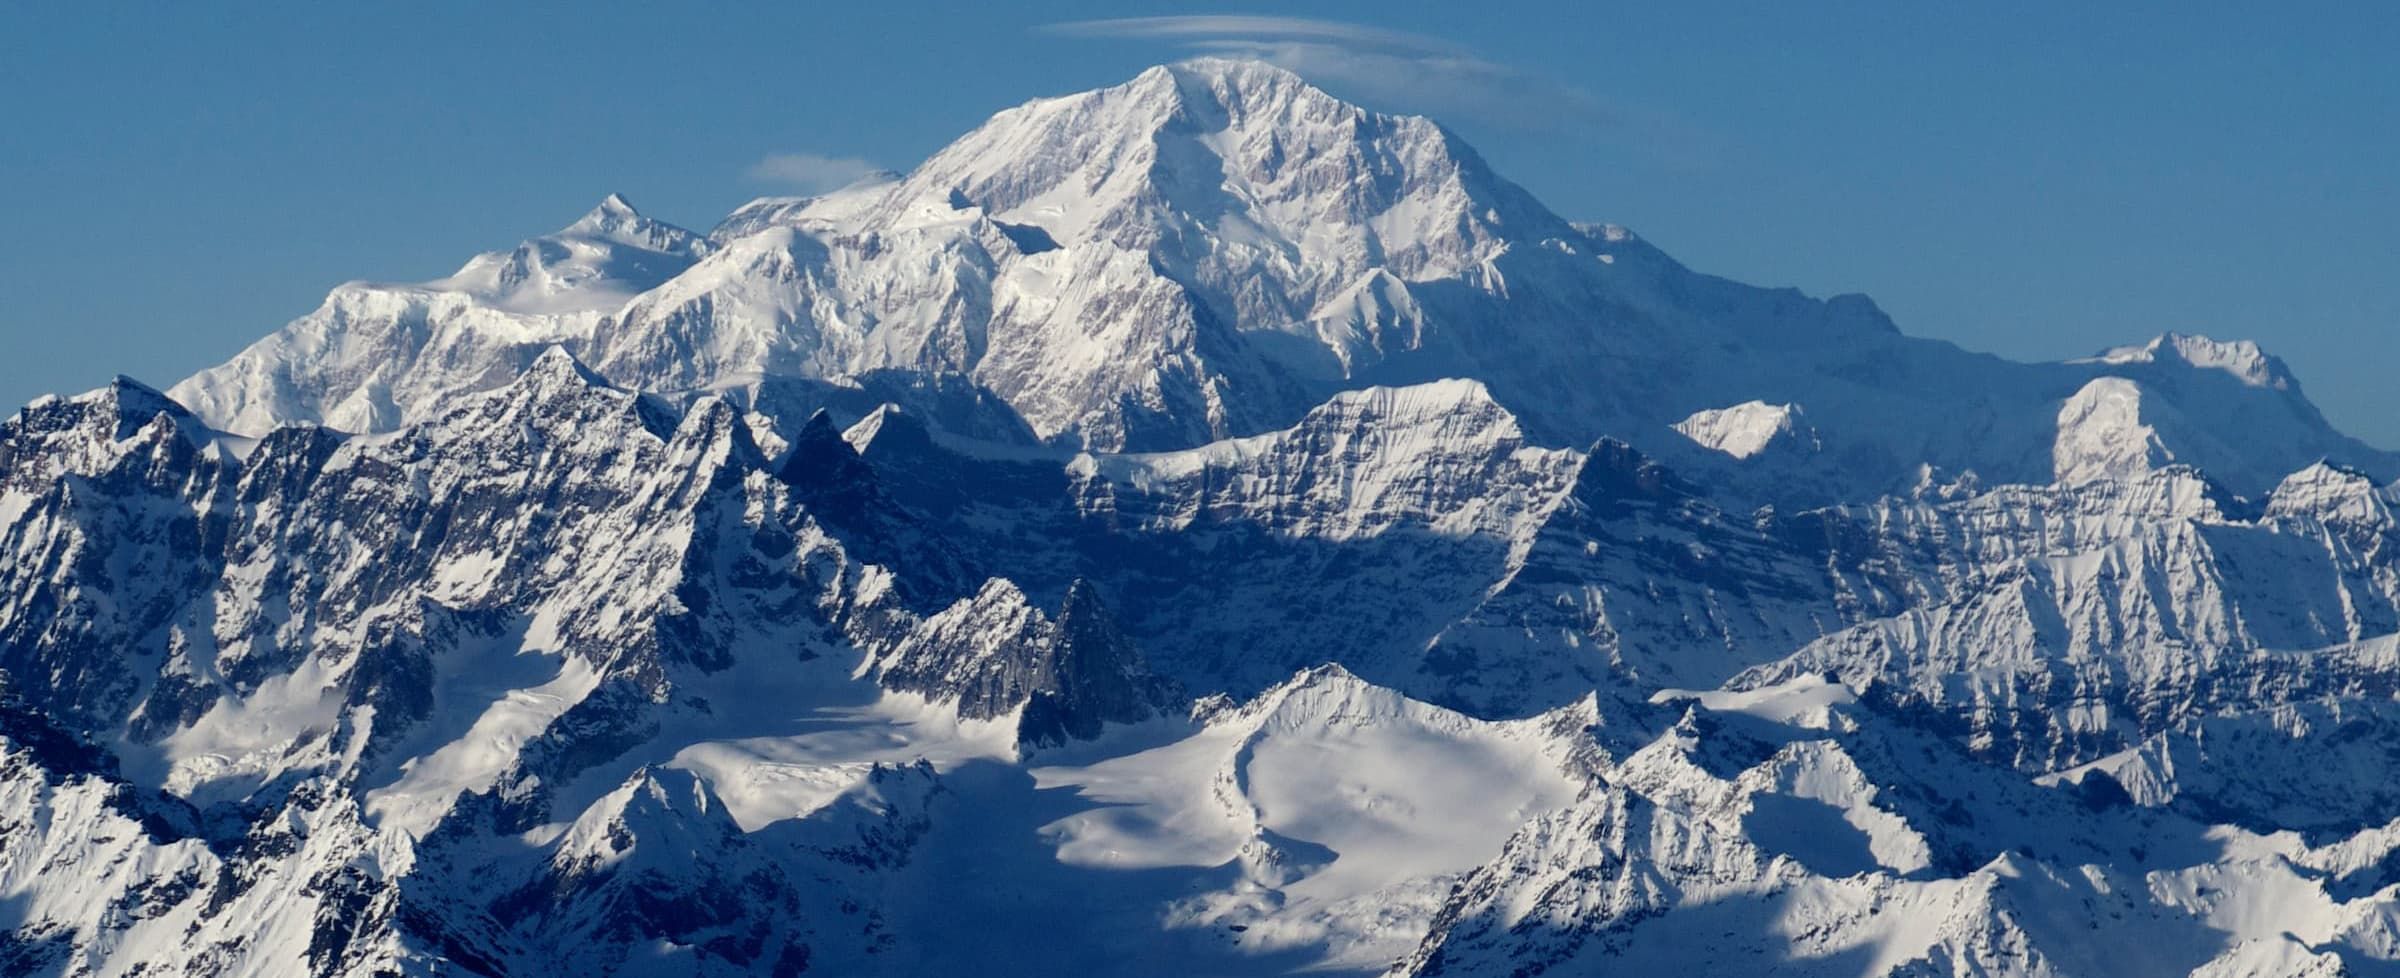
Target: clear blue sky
x=2039 y=181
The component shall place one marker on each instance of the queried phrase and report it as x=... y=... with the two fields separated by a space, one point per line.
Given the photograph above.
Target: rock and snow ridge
x=1212 y=249
x=1221 y=530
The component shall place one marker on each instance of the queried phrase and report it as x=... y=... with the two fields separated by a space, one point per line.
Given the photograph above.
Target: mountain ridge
x=1216 y=529
x=1211 y=249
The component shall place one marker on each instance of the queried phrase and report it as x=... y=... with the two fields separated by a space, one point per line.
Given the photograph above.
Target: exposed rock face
x=994 y=655
x=1212 y=529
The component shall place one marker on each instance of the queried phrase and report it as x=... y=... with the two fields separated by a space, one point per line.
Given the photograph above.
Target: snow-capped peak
x=556 y=368
x=1207 y=251
x=558 y=674
x=1247 y=151
x=1748 y=428
x=2333 y=493
x=615 y=220
x=2243 y=359
x=612 y=209
x=2106 y=431
x=605 y=257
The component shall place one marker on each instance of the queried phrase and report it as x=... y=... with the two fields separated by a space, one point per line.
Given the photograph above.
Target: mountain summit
x=1217 y=529
x=1209 y=250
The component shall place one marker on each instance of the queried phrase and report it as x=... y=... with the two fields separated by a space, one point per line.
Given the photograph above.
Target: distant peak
x=1456 y=405
x=555 y=364
x=120 y=407
x=133 y=399
x=2241 y=358
x=121 y=385
x=821 y=461
x=1749 y=428
x=2325 y=472
x=1320 y=695
x=616 y=222
x=612 y=215
x=2328 y=489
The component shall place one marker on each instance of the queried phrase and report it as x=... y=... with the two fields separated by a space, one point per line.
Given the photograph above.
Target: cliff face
x=1195 y=526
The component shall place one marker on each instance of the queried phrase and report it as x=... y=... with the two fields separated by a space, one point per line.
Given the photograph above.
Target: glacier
x=1196 y=526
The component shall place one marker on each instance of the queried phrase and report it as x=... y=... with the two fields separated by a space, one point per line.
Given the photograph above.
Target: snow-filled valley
x=1195 y=527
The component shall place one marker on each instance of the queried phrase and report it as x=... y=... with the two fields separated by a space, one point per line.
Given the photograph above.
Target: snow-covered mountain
x=1195 y=526
x=1214 y=248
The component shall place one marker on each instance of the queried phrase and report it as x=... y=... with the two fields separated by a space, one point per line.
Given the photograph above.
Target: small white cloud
x=811 y=173
x=1407 y=71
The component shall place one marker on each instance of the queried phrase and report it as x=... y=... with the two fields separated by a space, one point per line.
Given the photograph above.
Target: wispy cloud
x=809 y=172
x=1221 y=26
x=1401 y=70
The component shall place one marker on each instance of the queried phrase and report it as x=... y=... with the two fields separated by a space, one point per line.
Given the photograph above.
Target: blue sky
x=2037 y=180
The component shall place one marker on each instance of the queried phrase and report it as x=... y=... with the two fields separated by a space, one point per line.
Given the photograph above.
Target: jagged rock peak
x=1613 y=468
x=820 y=458
x=87 y=432
x=1100 y=676
x=556 y=368
x=557 y=394
x=127 y=403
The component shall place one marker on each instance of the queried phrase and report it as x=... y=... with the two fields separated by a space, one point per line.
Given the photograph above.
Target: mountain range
x=1197 y=526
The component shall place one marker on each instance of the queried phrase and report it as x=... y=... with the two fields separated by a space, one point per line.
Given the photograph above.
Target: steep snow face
x=377 y=356
x=790 y=600
x=1172 y=137
x=2334 y=495
x=2062 y=624
x=2241 y=359
x=1097 y=259
x=1207 y=252
x=569 y=673
x=1229 y=169
x=1367 y=527
x=822 y=211
x=1754 y=840
x=2102 y=435
x=1442 y=455
x=1345 y=810
x=1748 y=428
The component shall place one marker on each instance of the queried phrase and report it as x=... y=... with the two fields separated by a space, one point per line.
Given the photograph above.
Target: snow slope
x=1213 y=248
x=1191 y=527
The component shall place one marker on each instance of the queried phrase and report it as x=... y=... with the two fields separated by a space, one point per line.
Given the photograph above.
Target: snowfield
x=1196 y=526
